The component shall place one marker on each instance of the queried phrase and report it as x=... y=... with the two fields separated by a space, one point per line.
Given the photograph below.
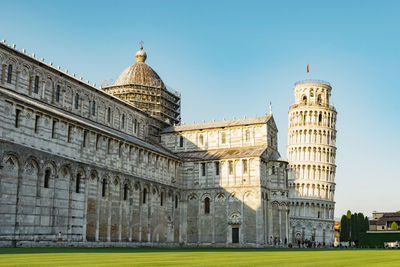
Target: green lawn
x=197 y=257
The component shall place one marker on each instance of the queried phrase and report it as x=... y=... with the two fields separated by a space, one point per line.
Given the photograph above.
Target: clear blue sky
x=231 y=58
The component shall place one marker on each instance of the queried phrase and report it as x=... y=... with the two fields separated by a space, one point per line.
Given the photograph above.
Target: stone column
x=17 y=204
x=199 y=214
x=213 y=220
x=260 y=222
x=183 y=220
x=266 y=219
x=140 y=214
x=3 y=73
x=150 y=202
x=228 y=230
x=17 y=72
x=280 y=223
x=38 y=203
x=69 y=227
x=242 y=232
x=63 y=98
x=43 y=88
x=30 y=84
x=85 y=211
x=98 y=199
x=287 y=223
x=109 y=202
x=270 y=221
x=52 y=210
x=121 y=190
x=131 y=207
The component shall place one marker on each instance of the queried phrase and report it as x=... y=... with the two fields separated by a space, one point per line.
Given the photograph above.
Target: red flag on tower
x=308 y=68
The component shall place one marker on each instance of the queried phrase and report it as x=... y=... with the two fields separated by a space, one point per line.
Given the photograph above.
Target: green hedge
x=373 y=240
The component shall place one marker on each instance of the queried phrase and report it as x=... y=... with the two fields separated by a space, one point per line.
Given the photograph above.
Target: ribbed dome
x=139 y=73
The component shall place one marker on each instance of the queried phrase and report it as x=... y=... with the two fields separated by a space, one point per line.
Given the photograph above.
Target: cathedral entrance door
x=235 y=235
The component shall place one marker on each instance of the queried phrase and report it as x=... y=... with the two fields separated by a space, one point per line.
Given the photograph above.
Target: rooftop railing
x=312 y=81
x=312 y=104
x=173 y=91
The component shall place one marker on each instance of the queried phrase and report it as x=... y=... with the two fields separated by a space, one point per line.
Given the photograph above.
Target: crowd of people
x=392 y=244
x=300 y=243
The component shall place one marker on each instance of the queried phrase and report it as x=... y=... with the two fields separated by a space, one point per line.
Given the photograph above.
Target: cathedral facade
x=113 y=166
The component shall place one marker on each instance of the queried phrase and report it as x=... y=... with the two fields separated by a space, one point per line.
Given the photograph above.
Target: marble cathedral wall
x=82 y=165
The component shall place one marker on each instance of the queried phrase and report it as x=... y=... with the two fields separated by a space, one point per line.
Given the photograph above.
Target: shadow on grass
x=152 y=250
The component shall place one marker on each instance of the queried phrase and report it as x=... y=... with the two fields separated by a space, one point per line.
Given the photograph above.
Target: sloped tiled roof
x=222 y=153
x=387 y=217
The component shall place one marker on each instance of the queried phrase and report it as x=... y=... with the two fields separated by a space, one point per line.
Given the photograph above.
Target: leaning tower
x=311 y=152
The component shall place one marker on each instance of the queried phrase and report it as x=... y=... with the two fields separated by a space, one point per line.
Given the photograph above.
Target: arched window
x=76 y=101
x=9 y=73
x=247 y=135
x=305 y=100
x=103 y=187
x=17 y=113
x=320 y=119
x=78 y=183
x=207 y=205
x=176 y=202
x=36 y=85
x=201 y=139
x=144 y=195
x=57 y=93
x=97 y=141
x=53 y=129
x=162 y=199
x=135 y=126
x=181 y=141
x=273 y=170
x=230 y=167
x=46 y=178
x=84 y=141
x=108 y=114
x=108 y=145
x=94 y=108
x=319 y=99
x=223 y=138
x=125 y=192
x=123 y=121
x=245 y=166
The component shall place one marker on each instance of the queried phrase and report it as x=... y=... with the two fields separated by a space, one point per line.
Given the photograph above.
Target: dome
x=139 y=73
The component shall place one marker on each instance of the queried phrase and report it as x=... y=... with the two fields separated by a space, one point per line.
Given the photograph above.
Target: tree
x=353 y=228
x=360 y=222
x=394 y=227
x=366 y=224
x=349 y=214
x=344 y=229
x=351 y=225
